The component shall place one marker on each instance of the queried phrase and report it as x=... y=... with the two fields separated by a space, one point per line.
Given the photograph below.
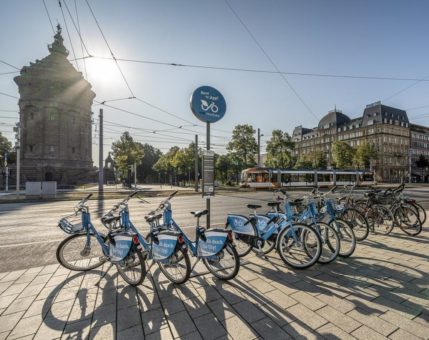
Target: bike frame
x=90 y=229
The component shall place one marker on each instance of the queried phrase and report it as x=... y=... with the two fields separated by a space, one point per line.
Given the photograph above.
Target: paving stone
x=15 y=289
x=248 y=311
x=268 y=329
x=50 y=269
x=191 y=336
x=208 y=294
x=60 y=310
x=8 y=322
x=340 y=320
x=26 y=326
x=209 y=327
x=107 y=331
x=336 y=302
x=12 y=276
x=19 y=304
x=4 y=286
x=238 y=328
x=279 y=315
x=331 y=332
x=281 y=299
x=401 y=334
x=165 y=334
x=133 y=333
x=5 y=301
x=38 y=307
x=127 y=318
x=297 y=330
x=366 y=333
x=261 y=285
x=41 y=279
x=408 y=312
x=308 y=300
x=307 y=316
x=32 y=290
x=153 y=320
x=222 y=310
x=181 y=324
x=372 y=321
x=408 y=325
x=50 y=329
x=196 y=307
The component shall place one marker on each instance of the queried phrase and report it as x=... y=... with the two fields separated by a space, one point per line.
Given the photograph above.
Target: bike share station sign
x=209 y=106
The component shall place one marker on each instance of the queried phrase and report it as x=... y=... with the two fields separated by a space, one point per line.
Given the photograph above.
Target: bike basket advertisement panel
x=239 y=225
x=165 y=247
x=214 y=243
x=120 y=247
x=208 y=104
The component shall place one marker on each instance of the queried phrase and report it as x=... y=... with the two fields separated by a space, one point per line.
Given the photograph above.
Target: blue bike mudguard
x=240 y=225
x=120 y=247
x=213 y=244
x=165 y=245
x=283 y=223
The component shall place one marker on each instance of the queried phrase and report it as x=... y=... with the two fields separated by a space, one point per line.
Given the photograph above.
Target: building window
x=30 y=148
x=52 y=116
x=51 y=148
x=73 y=149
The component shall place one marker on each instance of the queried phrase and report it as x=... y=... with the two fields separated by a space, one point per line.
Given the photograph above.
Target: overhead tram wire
x=49 y=17
x=108 y=46
x=270 y=60
x=8 y=95
x=68 y=33
x=82 y=44
x=406 y=88
x=6 y=73
x=13 y=66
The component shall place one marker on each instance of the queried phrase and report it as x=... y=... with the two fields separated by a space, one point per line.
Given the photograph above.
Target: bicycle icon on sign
x=205 y=106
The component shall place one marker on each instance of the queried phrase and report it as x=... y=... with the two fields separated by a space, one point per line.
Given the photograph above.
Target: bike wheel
x=421 y=211
x=77 y=253
x=357 y=221
x=299 y=246
x=225 y=264
x=346 y=235
x=330 y=242
x=133 y=268
x=177 y=268
x=268 y=247
x=241 y=242
x=380 y=219
x=408 y=219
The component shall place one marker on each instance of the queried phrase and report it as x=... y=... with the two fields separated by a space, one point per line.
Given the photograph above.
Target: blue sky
x=361 y=38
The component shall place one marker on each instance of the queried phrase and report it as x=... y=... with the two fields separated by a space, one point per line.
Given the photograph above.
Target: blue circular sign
x=208 y=104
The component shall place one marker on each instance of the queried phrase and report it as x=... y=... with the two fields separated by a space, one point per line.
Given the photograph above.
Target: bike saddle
x=199 y=213
x=273 y=204
x=254 y=206
x=151 y=218
x=110 y=219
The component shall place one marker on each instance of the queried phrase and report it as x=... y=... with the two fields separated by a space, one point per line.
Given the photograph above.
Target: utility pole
x=259 y=147
x=208 y=198
x=409 y=164
x=100 y=155
x=6 y=172
x=196 y=163
x=135 y=175
x=17 y=130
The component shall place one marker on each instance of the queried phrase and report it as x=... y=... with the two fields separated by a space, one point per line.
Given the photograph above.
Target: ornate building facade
x=385 y=127
x=419 y=146
x=55 y=116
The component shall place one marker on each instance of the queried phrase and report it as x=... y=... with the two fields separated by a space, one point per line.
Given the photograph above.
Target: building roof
x=333 y=118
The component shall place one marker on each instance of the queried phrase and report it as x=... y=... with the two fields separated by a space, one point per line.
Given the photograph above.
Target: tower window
x=51 y=148
x=30 y=148
x=73 y=149
x=52 y=116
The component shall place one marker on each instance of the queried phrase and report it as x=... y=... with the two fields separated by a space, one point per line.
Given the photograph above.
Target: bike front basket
x=71 y=225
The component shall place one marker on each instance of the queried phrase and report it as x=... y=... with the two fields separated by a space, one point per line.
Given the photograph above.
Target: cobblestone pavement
x=382 y=291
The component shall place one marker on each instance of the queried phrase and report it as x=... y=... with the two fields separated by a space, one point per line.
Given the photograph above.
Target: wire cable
x=111 y=52
x=3 y=62
x=270 y=59
x=68 y=33
x=82 y=44
x=8 y=95
x=49 y=17
x=406 y=88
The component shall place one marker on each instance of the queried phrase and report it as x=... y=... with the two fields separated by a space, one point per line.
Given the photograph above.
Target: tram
x=265 y=178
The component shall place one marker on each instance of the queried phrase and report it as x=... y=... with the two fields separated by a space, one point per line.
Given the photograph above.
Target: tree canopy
x=243 y=145
x=342 y=154
x=126 y=152
x=279 y=149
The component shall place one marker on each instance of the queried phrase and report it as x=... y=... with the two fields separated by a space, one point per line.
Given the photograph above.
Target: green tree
x=342 y=154
x=279 y=150
x=5 y=147
x=363 y=155
x=167 y=165
x=314 y=160
x=145 y=171
x=126 y=152
x=243 y=145
x=223 y=166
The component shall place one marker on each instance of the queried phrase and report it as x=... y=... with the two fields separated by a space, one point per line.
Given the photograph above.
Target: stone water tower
x=55 y=116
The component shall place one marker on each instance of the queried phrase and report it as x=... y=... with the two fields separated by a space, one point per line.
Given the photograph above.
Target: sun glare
x=103 y=72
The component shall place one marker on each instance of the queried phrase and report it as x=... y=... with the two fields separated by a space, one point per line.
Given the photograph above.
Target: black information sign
x=208 y=173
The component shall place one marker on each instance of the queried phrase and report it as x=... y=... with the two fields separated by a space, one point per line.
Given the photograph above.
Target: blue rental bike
x=86 y=248
x=164 y=247
x=211 y=246
x=298 y=245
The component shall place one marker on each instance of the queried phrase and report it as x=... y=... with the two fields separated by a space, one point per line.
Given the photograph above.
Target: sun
x=102 y=72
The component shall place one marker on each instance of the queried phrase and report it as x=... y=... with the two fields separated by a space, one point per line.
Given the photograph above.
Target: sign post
x=209 y=106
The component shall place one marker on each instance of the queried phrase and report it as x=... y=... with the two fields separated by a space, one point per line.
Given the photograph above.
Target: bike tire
x=421 y=211
x=138 y=269
x=357 y=221
x=86 y=261
x=181 y=256
x=242 y=248
x=308 y=236
x=380 y=219
x=409 y=225
x=215 y=269
x=346 y=234
x=330 y=242
x=268 y=247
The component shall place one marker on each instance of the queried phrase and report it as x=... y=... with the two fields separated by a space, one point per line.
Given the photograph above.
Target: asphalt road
x=29 y=234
